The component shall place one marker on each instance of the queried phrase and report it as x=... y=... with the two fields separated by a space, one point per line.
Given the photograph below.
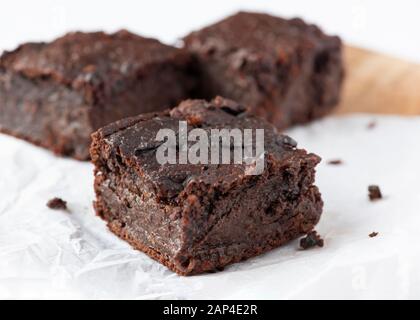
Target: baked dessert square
x=287 y=71
x=195 y=218
x=56 y=94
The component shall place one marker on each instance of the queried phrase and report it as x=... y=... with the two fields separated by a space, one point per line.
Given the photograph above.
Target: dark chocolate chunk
x=142 y=149
x=289 y=142
x=373 y=234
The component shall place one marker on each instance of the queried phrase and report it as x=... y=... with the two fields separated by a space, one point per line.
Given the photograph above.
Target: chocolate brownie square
x=56 y=94
x=195 y=218
x=287 y=71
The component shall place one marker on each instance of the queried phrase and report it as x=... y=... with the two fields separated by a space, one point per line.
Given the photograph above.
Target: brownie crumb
x=57 y=204
x=374 y=193
x=373 y=234
x=335 y=162
x=312 y=239
x=371 y=125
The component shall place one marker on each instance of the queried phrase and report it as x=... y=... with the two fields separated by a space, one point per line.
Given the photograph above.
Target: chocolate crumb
x=57 y=204
x=335 y=162
x=374 y=193
x=312 y=239
x=371 y=125
x=373 y=234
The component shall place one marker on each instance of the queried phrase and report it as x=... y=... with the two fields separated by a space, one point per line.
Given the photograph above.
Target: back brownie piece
x=287 y=71
x=56 y=94
x=202 y=217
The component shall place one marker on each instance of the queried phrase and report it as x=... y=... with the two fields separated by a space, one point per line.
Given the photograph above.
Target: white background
x=388 y=26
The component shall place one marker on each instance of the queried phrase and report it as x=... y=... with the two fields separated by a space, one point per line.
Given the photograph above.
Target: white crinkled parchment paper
x=54 y=254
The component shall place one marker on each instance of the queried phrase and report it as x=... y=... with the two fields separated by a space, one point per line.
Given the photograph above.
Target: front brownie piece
x=56 y=94
x=198 y=218
x=289 y=72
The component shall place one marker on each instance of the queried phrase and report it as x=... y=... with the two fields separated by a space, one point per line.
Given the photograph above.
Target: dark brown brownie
x=56 y=94
x=288 y=71
x=198 y=218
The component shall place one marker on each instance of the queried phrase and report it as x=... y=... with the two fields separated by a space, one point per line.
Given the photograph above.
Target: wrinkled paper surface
x=54 y=254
